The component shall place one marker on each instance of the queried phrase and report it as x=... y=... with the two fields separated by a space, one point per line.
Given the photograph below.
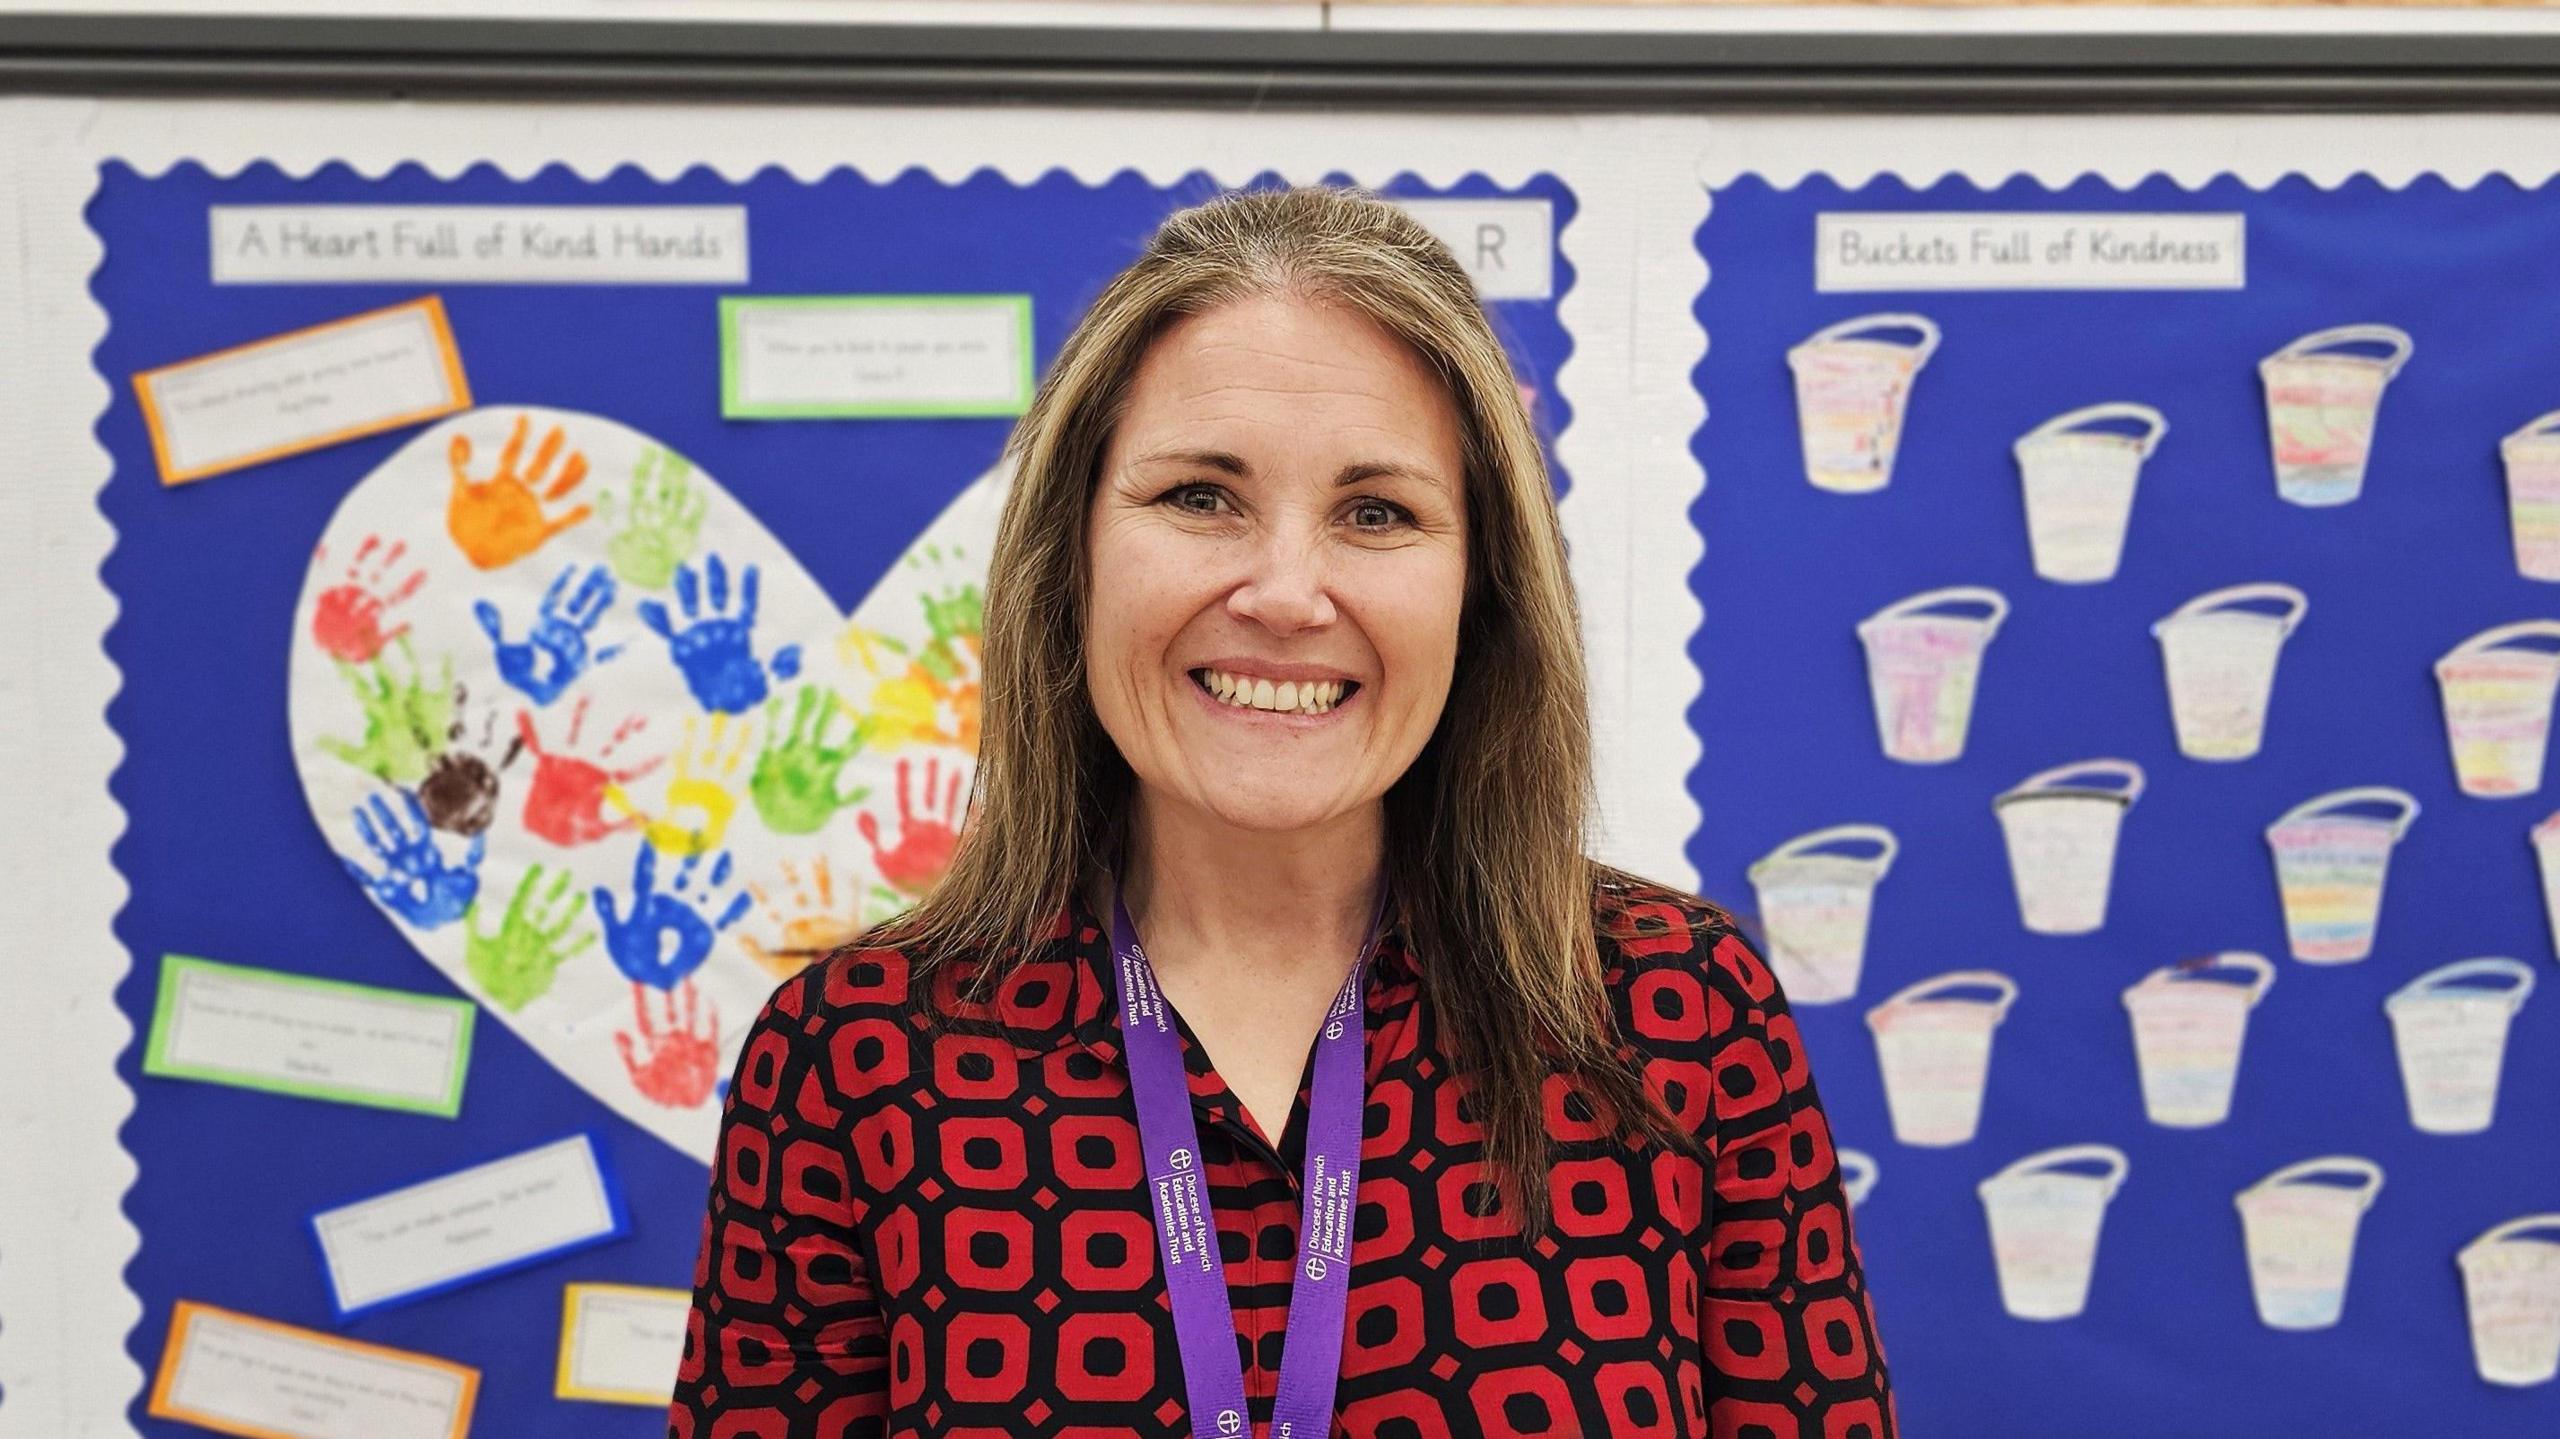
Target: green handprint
x=794 y=784
x=516 y=964
x=959 y=614
x=664 y=520
x=405 y=721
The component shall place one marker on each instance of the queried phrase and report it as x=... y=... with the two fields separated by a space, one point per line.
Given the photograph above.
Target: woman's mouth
x=1254 y=692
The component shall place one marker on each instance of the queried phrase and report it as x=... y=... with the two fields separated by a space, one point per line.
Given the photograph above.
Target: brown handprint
x=460 y=792
x=347 y=619
x=565 y=803
x=499 y=520
x=926 y=837
x=811 y=925
x=674 y=1063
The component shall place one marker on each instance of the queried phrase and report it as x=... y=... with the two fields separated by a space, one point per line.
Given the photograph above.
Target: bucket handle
x=1957 y=979
x=2254 y=963
x=2398 y=339
x=2325 y=1164
x=1983 y=595
x=2116 y=1162
x=2539 y=425
x=2298 y=604
x=1840 y=834
x=1889 y=320
x=2361 y=794
x=2157 y=422
x=2492 y=638
x=2049 y=779
x=2508 y=1230
x=1857 y=1159
x=2440 y=978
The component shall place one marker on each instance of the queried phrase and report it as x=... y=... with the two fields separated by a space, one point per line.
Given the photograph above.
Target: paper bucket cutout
x=2497 y=708
x=2301 y=1237
x=2511 y=1288
x=2546 y=858
x=2330 y=866
x=2321 y=409
x=2187 y=1032
x=1857 y=1174
x=2079 y=488
x=1922 y=670
x=2044 y=1227
x=2452 y=1039
x=2221 y=664
x=1851 y=393
x=1934 y=1049
x=2532 y=459
x=1815 y=906
x=2062 y=843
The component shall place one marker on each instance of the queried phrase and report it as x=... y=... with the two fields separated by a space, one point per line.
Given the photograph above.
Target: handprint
x=794 y=783
x=810 y=924
x=676 y=1064
x=926 y=838
x=460 y=792
x=699 y=804
x=664 y=520
x=554 y=652
x=346 y=621
x=515 y=965
x=416 y=884
x=715 y=650
x=661 y=938
x=405 y=719
x=498 y=521
x=565 y=802
x=933 y=699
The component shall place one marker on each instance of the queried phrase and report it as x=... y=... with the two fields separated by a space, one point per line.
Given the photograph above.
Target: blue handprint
x=416 y=884
x=637 y=938
x=715 y=649
x=554 y=652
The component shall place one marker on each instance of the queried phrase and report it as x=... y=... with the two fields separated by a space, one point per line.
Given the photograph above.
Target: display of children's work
x=2130 y=649
x=549 y=617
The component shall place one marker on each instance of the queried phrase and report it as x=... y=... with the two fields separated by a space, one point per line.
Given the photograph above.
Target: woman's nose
x=1287 y=587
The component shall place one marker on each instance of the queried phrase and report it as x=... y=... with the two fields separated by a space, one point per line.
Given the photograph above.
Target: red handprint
x=347 y=620
x=674 y=1064
x=926 y=839
x=565 y=801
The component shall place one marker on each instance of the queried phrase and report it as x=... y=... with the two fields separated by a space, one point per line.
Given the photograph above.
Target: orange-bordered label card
x=236 y=1374
x=302 y=390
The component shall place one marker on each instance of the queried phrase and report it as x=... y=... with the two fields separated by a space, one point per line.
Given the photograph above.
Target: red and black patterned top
x=947 y=1234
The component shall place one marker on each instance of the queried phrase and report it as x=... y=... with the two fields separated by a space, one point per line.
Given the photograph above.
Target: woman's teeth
x=1313 y=697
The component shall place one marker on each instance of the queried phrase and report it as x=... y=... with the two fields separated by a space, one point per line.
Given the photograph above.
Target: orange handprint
x=811 y=924
x=499 y=520
x=926 y=838
x=347 y=620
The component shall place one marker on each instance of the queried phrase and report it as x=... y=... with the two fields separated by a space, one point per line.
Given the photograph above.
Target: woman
x=1273 y=886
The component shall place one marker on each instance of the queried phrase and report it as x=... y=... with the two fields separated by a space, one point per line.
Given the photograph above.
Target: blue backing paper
x=221 y=852
x=2170 y=1343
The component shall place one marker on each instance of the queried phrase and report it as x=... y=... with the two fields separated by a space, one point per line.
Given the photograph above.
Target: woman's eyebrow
x=1354 y=473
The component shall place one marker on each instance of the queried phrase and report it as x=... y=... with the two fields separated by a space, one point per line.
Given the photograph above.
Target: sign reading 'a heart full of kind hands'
x=607 y=754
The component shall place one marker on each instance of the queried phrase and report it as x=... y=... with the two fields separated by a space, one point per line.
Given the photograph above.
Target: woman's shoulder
x=1657 y=937
x=888 y=974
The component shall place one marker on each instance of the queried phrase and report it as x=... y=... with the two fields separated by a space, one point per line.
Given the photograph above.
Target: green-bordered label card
x=317 y=1038
x=803 y=357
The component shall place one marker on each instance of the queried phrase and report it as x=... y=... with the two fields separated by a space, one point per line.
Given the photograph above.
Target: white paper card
x=304 y=389
x=2014 y=250
x=479 y=244
x=622 y=1344
x=474 y=1221
x=876 y=355
x=251 y=1378
x=268 y=1029
x=1507 y=246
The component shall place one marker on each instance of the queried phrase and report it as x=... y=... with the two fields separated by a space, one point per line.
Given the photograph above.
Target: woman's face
x=1278 y=547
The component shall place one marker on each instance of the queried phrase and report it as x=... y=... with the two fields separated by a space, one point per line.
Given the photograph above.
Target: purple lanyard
x=1204 y=1323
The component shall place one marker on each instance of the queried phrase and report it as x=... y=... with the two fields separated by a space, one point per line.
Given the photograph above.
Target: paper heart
x=608 y=755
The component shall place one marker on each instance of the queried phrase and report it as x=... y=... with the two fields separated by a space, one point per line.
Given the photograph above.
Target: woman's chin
x=1277 y=809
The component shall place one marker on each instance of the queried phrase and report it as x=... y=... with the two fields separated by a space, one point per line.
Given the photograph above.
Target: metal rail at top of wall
x=129 y=53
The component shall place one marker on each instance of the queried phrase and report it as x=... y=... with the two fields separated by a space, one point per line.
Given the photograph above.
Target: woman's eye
x=1200 y=499
x=1377 y=515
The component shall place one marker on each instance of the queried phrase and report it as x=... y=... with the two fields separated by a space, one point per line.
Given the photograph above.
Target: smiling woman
x=1404 y=1116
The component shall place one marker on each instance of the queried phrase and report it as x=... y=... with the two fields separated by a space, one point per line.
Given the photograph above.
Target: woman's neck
x=1255 y=904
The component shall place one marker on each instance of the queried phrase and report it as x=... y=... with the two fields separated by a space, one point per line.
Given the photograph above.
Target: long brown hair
x=1485 y=830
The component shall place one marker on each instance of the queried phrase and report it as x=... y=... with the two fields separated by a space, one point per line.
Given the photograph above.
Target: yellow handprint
x=703 y=783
